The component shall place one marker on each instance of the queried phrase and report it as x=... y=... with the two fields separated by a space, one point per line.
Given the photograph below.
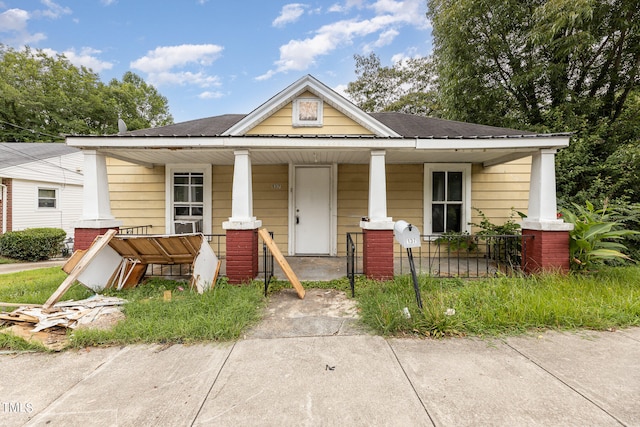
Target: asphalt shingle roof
x=210 y=126
x=407 y=125
x=411 y=126
x=18 y=153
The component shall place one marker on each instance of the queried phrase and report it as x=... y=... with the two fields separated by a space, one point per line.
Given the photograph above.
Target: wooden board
x=80 y=266
x=282 y=261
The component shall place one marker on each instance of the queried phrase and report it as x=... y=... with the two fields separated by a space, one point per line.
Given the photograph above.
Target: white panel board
x=205 y=266
x=100 y=269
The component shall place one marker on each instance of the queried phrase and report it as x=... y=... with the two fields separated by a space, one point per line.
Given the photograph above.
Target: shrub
x=32 y=244
x=596 y=237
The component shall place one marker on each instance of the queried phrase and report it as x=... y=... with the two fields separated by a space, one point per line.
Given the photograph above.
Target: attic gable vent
x=307 y=112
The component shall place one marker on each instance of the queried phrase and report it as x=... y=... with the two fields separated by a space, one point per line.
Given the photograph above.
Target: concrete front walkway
x=309 y=363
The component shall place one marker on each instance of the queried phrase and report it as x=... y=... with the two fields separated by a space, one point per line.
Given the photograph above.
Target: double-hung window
x=47 y=198
x=447 y=198
x=188 y=195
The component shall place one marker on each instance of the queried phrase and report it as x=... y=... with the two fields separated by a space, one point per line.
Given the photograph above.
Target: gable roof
x=404 y=125
x=18 y=153
x=309 y=84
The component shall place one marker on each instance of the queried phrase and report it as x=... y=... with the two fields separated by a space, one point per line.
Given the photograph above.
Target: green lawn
x=451 y=307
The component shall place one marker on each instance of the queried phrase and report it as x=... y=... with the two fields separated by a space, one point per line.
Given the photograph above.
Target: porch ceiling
x=159 y=156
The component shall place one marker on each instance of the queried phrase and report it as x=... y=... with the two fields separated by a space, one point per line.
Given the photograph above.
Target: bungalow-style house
x=310 y=166
x=40 y=186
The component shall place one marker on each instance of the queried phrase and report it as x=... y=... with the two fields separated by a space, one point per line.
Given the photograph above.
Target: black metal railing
x=135 y=230
x=267 y=263
x=351 y=263
x=216 y=241
x=354 y=258
x=467 y=256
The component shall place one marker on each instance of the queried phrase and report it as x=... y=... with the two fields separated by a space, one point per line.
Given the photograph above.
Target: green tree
x=549 y=65
x=44 y=97
x=408 y=86
x=137 y=103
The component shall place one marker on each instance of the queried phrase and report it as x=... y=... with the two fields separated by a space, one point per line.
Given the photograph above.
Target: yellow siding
x=405 y=193
x=221 y=186
x=137 y=194
x=271 y=201
x=353 y=195
x=334 y=123
x=500 y=190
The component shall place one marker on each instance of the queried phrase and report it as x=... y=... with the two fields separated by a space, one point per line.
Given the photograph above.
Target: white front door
x=312 y=210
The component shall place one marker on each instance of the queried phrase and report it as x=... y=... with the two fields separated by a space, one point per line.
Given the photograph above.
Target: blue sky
x=211 y=57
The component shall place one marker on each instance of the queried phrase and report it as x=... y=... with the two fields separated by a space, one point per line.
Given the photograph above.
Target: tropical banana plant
x=595 y=239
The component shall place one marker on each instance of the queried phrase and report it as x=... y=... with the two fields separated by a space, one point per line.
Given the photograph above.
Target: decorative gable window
x=307 y=112
x=447 y=197
x=47 y=198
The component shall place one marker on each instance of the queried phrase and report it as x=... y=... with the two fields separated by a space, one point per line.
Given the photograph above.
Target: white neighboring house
x=41 y=186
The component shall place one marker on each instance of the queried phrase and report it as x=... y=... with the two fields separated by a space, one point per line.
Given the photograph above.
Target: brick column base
x=377 y=254
x=547 y=251
x=242 y=255
x=84 y=237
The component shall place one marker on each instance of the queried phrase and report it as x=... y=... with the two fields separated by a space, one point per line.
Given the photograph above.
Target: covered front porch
x=241 y=250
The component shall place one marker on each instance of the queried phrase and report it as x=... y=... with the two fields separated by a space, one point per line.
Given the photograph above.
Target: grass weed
x=606 y=299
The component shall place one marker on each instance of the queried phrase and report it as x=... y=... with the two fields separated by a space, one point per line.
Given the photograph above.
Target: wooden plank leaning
x=264 y=234
x=95 y=248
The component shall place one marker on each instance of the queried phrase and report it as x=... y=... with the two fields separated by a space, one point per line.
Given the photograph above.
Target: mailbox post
x=409 y=237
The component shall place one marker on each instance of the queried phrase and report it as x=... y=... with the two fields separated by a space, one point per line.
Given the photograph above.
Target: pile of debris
x=33 y=322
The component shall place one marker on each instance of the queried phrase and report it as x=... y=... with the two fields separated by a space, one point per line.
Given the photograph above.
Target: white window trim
x=207 y=208
x=296 y=122
x=465 y=168
x=57 y=198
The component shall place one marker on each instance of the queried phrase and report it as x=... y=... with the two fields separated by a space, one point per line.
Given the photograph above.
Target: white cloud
x=384 y=39
x=108 y=2
x=289 y=13
x=211 y=95
x=167 y=57
x=182 y=78
x=348 y=5
x=13 y=22
x=298 y=55
x=87 y=58
x=54 y=10
x=342 y=90
x=169 y=65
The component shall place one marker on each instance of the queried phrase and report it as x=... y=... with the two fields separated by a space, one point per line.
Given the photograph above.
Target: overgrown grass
x=36 y=286
x=603 y=300
x=221 y=314
x=488 y=307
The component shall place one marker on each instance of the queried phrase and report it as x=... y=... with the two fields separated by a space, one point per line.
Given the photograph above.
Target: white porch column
x=378 y=219
x=242 y=197
x=543 y=208
x=96 y=207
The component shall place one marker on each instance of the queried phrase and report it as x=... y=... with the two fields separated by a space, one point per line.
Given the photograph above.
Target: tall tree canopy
x=549 y=65
x=43 y=98
x=408 y=86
